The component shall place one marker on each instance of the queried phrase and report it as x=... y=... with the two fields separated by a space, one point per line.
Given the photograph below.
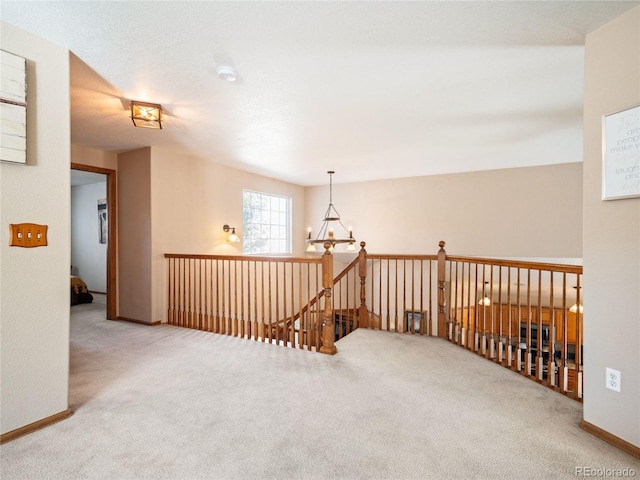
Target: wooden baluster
x=378 y=324
x=210 y=295
x=319 y=316
x=562 y=380
x=226 y=296
x=465 y=314
x=476 y=322
x=396 y=327
x=577 y=376
x=527 y=360
x=263 y=335
x=539 y=345
x=328 y=330
x=199 y=304
x=551 y=367
x=509 y=359
x=460 y=307
x=422 y=310
x=169 y=293
x=442 y=314
x=269 y=299
x=278 y=317
x=254 y=318
x=405 y=316
x=518 y=362
x=292 y=326
x=189 y=294
x=501 y=332
x=216 y=326
x=241 y=332
x=309 y=319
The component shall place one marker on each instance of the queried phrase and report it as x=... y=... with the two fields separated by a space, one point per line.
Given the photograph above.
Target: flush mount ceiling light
x=146 y=115
x=227 y=73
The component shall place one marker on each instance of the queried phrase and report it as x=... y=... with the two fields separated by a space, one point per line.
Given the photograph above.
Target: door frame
x=112 y=235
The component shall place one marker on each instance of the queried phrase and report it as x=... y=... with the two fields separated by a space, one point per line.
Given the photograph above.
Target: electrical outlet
x=613 y=379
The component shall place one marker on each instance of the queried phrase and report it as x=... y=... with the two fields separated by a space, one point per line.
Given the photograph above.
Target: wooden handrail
x=547 y=267
x=246 y=258
x=403 y=256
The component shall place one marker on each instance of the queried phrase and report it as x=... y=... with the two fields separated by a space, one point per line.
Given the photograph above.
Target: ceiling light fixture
x=576 y=307
x=485 y=301
x=146 y=115
x=227 y=73
x=331 y=219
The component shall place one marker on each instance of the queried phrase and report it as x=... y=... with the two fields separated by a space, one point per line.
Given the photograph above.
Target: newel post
x=442 y=299
x=328 y=330
x=363 y=313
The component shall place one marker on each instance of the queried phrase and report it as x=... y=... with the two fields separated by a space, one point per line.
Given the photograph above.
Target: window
x=266 y=224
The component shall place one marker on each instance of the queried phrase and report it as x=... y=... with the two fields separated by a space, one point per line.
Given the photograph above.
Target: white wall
x=522 y=212
x=34 y=307
x=611 y=238
x=88 y=255
x=134 y=235
x=93 y=157
x=191 y=200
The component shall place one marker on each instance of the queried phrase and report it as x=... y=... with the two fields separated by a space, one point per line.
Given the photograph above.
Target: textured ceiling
x=370 y=89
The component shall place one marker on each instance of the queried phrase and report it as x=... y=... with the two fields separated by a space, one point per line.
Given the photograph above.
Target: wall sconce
x=232 y=237
x=146 y=115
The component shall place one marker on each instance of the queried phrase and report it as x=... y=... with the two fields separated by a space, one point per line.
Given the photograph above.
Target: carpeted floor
x=169 y=403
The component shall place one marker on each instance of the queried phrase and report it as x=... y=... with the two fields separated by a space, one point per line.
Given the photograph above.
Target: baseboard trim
x=32 y=427
x=611 y=438
x=141 y=322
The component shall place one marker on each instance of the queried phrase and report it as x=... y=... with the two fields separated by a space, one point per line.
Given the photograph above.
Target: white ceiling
x=370 y=89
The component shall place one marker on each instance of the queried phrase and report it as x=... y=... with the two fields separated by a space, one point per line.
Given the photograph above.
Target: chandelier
x=330 y=223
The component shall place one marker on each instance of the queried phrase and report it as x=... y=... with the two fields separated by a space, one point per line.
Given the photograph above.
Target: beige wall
x=191 y=200
x=134 y=235
x=93 y=157
x=523 y=212
x=34 y=303
x=611 y=238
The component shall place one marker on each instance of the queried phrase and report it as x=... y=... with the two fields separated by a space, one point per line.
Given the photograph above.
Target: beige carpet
x=169 y=403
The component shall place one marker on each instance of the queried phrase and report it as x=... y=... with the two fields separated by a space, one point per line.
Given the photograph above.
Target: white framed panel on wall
x=621 y=154
x=13 y=108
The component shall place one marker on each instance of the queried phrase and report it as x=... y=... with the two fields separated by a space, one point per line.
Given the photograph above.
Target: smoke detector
x=227 y=73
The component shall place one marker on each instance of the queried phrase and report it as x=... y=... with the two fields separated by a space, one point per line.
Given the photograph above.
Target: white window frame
x=271 y=225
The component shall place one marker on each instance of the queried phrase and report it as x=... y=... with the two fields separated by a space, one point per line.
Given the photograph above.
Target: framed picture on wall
x=13 y=108
x=102 y=221
x=413 y=320
x=621 y=154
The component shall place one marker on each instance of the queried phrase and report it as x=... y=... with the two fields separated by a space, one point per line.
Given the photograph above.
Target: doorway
x=109 y=236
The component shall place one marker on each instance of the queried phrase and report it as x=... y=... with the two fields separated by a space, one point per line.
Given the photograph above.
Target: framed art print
x=621 y=154
x=13 y=108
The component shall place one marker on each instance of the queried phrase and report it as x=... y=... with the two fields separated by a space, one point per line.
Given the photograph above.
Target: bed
x=79 y=291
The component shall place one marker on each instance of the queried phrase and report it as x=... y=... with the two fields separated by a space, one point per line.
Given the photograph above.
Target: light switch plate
x=27 y=235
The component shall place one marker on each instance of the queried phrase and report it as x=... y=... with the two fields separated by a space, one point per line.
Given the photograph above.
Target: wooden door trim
x=112 y=232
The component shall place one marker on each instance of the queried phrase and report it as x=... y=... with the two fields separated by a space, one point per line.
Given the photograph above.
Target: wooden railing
x=526 y=316
x=401 y=293
x=252 y=297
